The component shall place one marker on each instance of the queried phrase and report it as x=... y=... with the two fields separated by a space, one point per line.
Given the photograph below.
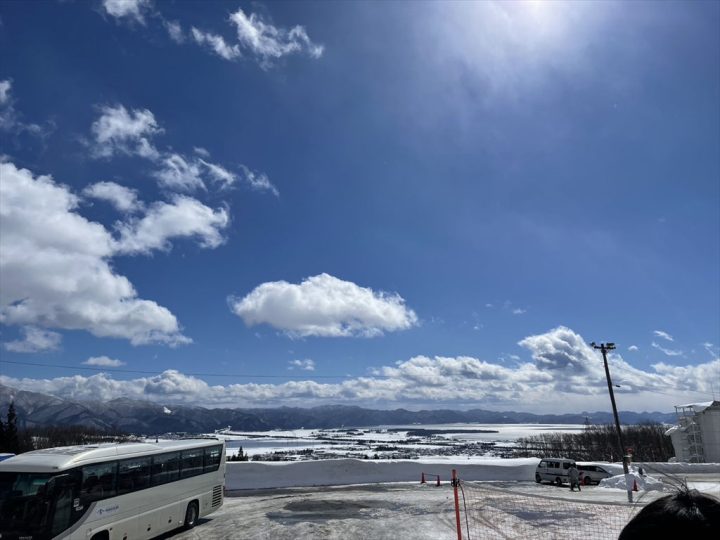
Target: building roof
x=700 y=407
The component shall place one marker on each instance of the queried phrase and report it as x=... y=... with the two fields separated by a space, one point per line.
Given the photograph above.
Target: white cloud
x=259 y=181
x=132 y=9
x=219 y=174
x=324 y=305
x=175 y=31
x=216 y=43
x=184 y=217
x=305 y=365
x=668 y=352
x=271 y=42
x=421 y=380
x=10 y=119
x=519 y=311
x=103 y=361
x=35 y=340
x=563 y=350
x=120 y=131
x=664 y=335
x=54 y=269
x=121 y=197
x=633 y=348
x=180 y=174
x=5 y=91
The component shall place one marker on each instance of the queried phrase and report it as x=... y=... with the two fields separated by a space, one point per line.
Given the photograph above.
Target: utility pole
x=604 y=348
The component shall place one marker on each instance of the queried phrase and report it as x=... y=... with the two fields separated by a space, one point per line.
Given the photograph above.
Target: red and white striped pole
x=455 y=483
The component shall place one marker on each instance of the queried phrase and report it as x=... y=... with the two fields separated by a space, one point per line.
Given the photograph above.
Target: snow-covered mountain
x=147 y=417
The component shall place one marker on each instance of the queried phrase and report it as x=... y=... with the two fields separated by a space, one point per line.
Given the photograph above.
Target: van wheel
x=191 y=515
x=587 y=481
x=537 y=478
x=558 y=481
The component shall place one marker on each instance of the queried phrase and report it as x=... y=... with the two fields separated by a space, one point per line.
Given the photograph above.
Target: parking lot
x=377 y=511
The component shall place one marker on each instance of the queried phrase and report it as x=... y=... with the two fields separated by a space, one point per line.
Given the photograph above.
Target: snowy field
x=326 y=494
x=388 y=500
x=386 y=442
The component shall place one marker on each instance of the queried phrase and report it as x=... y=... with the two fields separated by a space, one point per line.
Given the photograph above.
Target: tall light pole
x=604 y=348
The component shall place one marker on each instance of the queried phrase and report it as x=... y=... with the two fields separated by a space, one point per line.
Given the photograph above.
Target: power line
x=195 y=374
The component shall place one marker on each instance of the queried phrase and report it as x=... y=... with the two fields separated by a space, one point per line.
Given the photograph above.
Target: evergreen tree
x=11 y=437
x=2 y=436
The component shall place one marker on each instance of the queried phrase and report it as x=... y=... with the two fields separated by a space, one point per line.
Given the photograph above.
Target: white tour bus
x=110 y=491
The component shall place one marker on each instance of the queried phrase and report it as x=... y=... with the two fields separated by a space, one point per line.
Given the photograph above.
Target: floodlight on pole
x=604 y=348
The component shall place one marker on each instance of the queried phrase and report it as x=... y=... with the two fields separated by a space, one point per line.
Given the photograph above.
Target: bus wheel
x=558 y=481
x=191 y=515
x=537 y=478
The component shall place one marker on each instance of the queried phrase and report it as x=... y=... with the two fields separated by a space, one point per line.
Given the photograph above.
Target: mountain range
x=150 y=418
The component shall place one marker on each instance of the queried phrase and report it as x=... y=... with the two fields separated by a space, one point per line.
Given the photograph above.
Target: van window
x=567 y=464
x=543 y=464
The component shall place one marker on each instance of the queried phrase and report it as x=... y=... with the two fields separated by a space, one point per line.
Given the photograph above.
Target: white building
x=696 y=438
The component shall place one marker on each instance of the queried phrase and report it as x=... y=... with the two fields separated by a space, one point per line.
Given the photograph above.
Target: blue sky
x=396 y=204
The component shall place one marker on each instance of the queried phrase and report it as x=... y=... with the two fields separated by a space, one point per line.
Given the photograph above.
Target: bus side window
x=165 y=468
x=133 y=475
x=192 y=462
x=212 y=458
x=98 y=481
x=566 y=465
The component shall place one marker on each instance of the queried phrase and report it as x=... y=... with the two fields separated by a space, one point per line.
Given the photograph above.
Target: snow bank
x=328 y=472
x=644 y=483
x=680 y=468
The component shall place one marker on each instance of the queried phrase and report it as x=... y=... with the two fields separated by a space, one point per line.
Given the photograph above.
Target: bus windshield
x=24 y=503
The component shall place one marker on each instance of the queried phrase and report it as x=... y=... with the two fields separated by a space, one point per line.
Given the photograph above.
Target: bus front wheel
x=191 y=515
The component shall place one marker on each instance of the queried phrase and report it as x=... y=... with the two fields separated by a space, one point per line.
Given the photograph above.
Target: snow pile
x=328 y=472
x=644 y=483
x=681 y=468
